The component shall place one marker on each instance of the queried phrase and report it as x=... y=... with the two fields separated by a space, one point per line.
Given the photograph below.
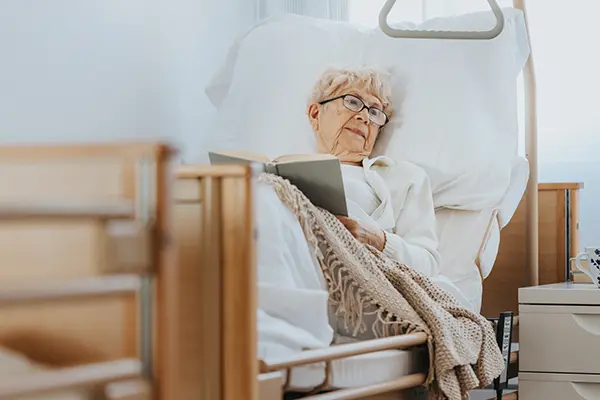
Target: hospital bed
x=384 y=368
x=208 y=203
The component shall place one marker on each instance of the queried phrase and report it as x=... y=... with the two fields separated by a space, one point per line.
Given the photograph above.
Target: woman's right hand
x=375 y=238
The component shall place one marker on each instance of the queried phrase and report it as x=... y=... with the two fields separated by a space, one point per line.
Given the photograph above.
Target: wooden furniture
x=559 y=342
x=87 y=274
x=559 y=241
x=216 y=285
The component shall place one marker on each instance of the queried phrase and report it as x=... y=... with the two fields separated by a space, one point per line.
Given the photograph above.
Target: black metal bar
x=504 y=339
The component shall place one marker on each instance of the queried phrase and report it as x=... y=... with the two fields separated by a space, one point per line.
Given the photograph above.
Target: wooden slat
x=18 y=152
x=345 y=350
x=129 y=247
x=166 y=366
x=69 y=378
x=560 y=185
x=405 y=382
x=106 y=210
x=69 y=289
x=239 y=288
x=198 y=320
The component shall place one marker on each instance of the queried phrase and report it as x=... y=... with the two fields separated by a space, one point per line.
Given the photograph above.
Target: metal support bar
x=458 y=35
x=145 y=209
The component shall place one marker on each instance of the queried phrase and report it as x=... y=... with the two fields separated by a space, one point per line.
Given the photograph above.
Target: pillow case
x=455 y=101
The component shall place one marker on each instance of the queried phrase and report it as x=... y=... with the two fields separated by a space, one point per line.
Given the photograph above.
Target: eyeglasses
x=356 y=105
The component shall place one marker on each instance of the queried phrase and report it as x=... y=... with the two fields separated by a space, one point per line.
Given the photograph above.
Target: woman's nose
x=363 y=115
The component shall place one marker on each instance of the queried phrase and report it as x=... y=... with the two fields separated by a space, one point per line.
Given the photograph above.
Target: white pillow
x=455 y=101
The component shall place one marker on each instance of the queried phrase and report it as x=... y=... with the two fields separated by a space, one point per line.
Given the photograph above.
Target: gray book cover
x=319 y=177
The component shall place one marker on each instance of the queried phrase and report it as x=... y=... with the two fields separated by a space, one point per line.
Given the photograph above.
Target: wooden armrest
x=344 y=350
x=100 y=210
x=71 y=288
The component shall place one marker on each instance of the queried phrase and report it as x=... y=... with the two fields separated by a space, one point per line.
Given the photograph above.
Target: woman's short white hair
x=335 y=81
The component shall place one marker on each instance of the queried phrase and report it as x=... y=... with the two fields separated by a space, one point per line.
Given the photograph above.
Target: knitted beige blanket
x=463 y=351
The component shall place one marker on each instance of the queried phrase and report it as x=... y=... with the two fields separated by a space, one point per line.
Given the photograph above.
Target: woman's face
x=346 y=129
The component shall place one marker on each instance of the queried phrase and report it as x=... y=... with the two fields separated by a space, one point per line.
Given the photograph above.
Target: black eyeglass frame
x=387 y=119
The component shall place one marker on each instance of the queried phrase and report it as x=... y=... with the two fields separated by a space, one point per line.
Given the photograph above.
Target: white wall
x=196 y=36
x=112 y=69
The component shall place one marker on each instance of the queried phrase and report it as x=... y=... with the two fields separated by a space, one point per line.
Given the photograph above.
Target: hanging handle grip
x=465 y=35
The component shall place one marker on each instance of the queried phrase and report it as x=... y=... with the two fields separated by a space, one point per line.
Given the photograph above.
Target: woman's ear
x=313 y=115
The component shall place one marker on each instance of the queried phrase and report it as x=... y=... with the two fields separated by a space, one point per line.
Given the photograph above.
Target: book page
x=246 y=155
x=288 y=158
x=320 y=180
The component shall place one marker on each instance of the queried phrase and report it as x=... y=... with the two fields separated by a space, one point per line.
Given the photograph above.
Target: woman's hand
x=375 y=238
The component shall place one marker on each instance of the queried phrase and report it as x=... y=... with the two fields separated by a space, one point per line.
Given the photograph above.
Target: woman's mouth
x=357 y=131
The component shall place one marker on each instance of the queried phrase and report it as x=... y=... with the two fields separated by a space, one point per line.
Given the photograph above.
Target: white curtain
x=564 y=45
x=328 y=9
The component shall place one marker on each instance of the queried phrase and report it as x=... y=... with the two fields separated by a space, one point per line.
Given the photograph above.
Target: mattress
x=462 y=234
x=361 y=370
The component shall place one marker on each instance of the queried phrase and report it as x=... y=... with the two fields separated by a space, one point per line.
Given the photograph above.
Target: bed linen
x=462 y=347
x=361 y=370
x=461 y=236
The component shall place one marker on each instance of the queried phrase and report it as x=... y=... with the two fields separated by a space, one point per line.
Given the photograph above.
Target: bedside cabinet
x=559 y=241
x=559 y=346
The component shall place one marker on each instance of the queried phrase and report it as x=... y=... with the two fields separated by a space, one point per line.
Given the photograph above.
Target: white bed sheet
x=460 y=235
x=361 y=370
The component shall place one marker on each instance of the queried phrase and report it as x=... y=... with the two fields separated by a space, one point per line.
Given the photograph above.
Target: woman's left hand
x=375 y=238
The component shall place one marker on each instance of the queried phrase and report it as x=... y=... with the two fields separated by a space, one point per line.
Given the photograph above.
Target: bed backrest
x=90 y=186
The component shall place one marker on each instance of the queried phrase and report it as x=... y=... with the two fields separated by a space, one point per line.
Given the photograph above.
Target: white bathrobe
x=293 y=311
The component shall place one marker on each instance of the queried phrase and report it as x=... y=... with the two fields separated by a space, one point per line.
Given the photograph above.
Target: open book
x=318 y=176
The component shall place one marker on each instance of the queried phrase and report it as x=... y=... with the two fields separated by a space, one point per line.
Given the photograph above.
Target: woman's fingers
x=353 y=227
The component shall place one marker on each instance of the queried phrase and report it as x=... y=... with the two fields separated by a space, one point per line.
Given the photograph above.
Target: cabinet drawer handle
x=588 y=322
x=587 y=390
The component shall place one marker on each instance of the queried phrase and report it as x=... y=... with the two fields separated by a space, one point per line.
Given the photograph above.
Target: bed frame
x=140 y=285
x=88 y=276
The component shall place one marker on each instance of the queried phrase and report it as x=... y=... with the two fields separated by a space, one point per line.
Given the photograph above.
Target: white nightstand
x=559 y=342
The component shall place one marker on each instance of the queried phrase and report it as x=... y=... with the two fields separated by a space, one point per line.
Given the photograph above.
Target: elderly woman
x=390 y=207
x=390 y=203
